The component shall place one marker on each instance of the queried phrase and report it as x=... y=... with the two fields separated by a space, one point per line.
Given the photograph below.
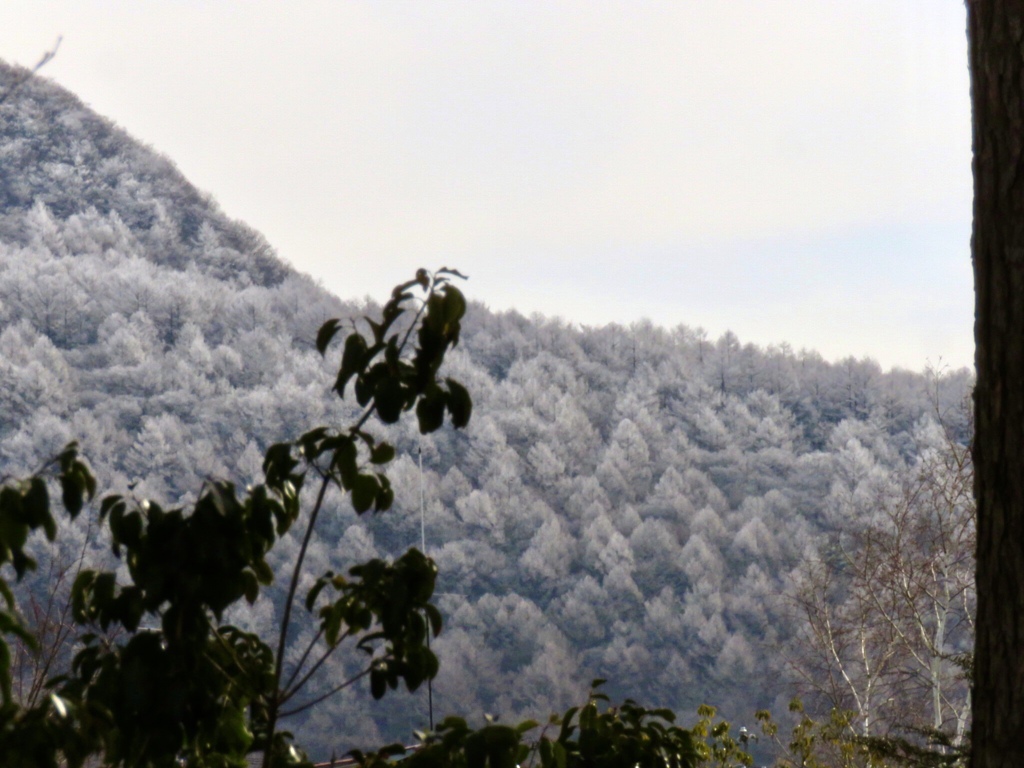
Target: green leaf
x=476 y=750
x=278 y=464
x=108 y=504
x=454 y=305
x=567 y=726
x=389 y=398
x=385 y=496
x=434 y=617
x=72 y=491
x=353 y=361
x=316 y=589
x=77 y=483
x=364 y=491
x=391 y=353
x=326 y=334
x=125 y=528
x=400 y=292
x=129 y=608
x=22 y=563
x=345 y=460
x=430 y=411
x=80 y=596
x=313 y=443
x=526 y=725
x=35 y=507
x=391 y=313
x=89 y=480
x=250 y=586
x=264 y=573
x=233 y=730
x=364 y=390
x=378 y=683
x=382 y=454
x=546 y=760
x=561 y=758
x=332 y=618
x=460 y=406
x=376 y=328
x=6 y=594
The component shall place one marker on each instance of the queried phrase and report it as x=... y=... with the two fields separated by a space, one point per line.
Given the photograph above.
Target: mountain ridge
x=85 y=162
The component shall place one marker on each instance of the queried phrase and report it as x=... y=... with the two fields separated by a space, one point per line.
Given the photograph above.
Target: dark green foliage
x=395 y=384
x=594 y=735
x=618 y=737
x=28 y=737
x=180 y=685
x=396 y=598
x=24 y=508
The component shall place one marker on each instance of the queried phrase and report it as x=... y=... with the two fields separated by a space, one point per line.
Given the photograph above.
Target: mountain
x=60 y=155
x=629 y=502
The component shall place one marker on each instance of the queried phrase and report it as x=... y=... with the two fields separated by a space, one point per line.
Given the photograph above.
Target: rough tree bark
x=996 y=53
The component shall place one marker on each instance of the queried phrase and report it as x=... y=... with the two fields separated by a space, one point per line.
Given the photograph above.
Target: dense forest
x=675 y=513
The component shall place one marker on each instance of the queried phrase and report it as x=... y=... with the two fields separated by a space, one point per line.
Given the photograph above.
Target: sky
x=795 y=171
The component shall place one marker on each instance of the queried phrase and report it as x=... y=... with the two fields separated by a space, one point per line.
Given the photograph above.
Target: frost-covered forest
x=628 y=502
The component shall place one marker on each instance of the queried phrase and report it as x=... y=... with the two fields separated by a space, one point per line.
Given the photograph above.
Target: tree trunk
x=996 y=37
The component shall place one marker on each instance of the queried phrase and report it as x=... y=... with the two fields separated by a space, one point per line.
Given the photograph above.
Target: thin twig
x=305 y=678
x=327 y=695
x=305 y=655
x=283 y=636
x=20 y=81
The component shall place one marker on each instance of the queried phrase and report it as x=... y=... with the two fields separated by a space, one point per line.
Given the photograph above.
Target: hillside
x=628 y=502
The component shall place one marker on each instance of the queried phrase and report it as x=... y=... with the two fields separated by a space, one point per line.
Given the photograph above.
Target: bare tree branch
x=29 y=73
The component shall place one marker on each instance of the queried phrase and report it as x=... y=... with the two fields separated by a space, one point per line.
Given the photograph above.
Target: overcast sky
x=793 y=170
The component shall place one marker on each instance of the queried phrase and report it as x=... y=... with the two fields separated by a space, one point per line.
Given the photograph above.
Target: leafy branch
x=221 y=692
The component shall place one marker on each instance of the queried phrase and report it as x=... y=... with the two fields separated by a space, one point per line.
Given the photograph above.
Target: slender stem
x=215 y=631
x=415 y=320
x=280 y=695
x=305 y=678
x=64 y=626
x=362 y=419
x=327 y=695
x=44 y=627
x=296 y=571
x=428 y=292
x=305 y=655
x=275 y=701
